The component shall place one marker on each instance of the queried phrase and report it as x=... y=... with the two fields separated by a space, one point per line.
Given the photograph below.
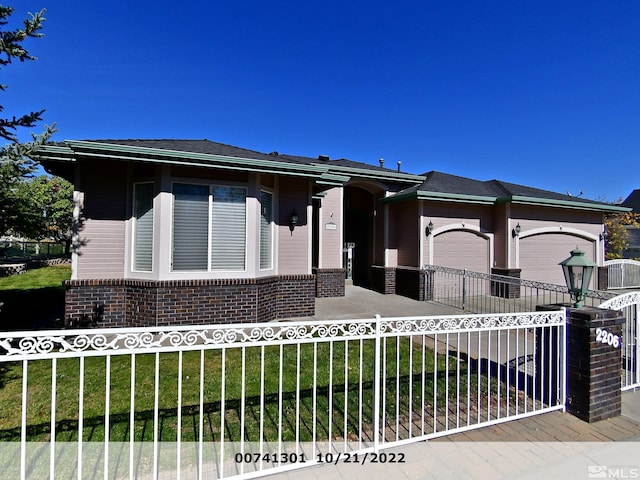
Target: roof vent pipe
x=399 y=165
x=381 y=162
x=323 y=158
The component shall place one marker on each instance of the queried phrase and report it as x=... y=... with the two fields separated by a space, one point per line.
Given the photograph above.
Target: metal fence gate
x=629 y=304
x=247 y=400
x=623 y=273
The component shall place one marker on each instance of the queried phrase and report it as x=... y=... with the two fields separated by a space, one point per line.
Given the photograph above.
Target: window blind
x=266 y=230
x=143 y=227
x=228 y=228
x=190 y=227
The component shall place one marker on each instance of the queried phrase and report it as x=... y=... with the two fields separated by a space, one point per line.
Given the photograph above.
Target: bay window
x=209 y=228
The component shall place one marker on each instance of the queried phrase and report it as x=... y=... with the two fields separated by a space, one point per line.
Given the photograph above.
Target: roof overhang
x=571 y=204
x=514 y=200
x=74 y=149
x=441 y=196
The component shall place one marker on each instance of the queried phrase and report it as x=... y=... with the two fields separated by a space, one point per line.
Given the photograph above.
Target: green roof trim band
x=547 y=202
x=516 y=199
x=86 y=148
x=440 y=196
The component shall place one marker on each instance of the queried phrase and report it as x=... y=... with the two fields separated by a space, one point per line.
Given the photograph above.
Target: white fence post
x=376 y=385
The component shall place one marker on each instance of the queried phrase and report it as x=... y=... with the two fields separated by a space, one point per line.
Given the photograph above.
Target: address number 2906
x=608 y=338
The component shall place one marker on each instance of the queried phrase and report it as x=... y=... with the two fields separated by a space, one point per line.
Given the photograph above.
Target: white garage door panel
x=541 y=254
x=460 y=249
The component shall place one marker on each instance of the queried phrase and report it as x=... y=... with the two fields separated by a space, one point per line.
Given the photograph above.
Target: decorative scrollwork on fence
x=149 y=340
x=622 y=301
x=432 y=325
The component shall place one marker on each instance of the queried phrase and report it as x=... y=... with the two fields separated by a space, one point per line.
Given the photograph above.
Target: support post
x=594 y=362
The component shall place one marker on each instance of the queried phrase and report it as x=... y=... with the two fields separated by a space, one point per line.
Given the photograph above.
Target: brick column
x=594 y=361
x=329 y=282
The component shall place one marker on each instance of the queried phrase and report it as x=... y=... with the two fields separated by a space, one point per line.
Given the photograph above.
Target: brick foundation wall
x=96 y=302
x=329 y=282
x=383 y=279
x=295 y=296
x=129 y=303
x=410 y=282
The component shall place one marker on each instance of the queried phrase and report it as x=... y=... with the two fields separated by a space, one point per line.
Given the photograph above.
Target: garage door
x=461 y=249
x=541 y=254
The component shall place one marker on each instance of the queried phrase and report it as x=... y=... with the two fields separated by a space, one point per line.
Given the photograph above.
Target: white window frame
x=271 y=232
x=134 y=230
x=209 y=272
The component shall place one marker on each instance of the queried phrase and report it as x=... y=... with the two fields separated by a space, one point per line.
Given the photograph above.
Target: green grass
x=276 y=406
x=34 y=298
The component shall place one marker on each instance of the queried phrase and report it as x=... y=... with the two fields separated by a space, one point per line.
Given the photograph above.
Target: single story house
x=194 y=231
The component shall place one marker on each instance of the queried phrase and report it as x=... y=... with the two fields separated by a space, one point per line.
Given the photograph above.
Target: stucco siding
x=293 y=247
x=379 y=231
x=441 y=213
x=331 y=215
x=404 y=226
x=101 y=253
x=502 y=235
x=191 y=173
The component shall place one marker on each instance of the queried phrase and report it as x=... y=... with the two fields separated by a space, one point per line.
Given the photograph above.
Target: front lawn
x=34 y=299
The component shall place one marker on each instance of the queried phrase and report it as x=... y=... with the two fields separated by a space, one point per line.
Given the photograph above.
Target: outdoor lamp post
x=577 y=274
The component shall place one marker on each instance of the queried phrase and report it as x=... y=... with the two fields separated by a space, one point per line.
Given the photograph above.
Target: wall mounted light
x=429 y=229
x=293 y=221
x=516 y=231
x=604 y=235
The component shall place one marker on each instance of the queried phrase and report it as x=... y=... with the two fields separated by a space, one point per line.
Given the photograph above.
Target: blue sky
x=542 y=93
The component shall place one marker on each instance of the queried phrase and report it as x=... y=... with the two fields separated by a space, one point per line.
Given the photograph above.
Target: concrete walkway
x=362 y=303
x=550 y=445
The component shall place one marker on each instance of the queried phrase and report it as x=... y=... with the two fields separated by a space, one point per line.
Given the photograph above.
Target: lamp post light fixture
x=577 y=273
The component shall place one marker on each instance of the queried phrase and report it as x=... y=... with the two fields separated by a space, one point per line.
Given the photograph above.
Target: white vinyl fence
x=248 y=400
x=623 y=273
